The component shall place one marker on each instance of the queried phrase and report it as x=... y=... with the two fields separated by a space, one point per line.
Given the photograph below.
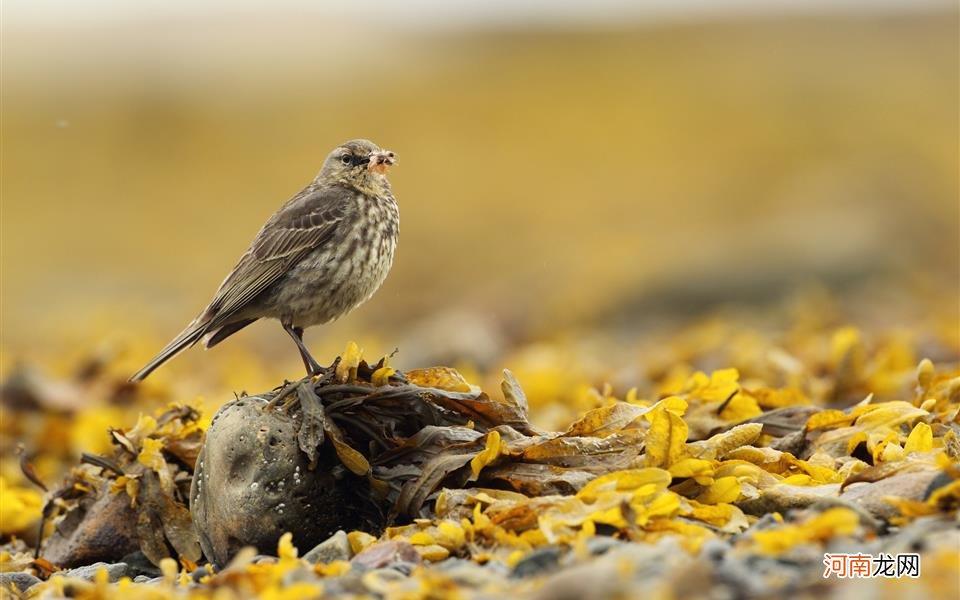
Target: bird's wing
x=303 y=224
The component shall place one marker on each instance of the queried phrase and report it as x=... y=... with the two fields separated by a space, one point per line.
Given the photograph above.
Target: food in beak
x=381 y=161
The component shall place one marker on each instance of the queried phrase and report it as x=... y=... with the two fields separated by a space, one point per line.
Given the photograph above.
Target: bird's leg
x=312 y=366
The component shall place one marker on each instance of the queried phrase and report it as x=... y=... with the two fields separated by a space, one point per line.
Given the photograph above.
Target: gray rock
x=114 y=571
x=541 y=560
x=252 y=483
x=601 y=544
x=467 y=573
x=336 y=547
x=783 y=497
x=385 y=554
x=872 y=496
x=22 y=581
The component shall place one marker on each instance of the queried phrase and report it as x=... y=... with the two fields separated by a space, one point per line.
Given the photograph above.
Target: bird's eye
x=346 y=159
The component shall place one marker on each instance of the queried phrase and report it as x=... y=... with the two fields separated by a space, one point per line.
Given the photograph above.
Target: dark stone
x=252 y=484
x=99 y=530
x=138 y=564
x=22 y=581
x=541 y=560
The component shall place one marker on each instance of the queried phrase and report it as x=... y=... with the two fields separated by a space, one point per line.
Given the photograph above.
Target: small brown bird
x=325 y=252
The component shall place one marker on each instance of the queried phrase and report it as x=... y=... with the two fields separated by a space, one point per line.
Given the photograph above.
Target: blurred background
x=565 y=168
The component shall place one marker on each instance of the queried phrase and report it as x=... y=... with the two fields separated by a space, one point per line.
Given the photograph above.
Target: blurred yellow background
x=552 y=177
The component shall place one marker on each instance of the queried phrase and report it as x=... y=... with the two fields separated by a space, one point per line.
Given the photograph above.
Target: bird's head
x=360 y=163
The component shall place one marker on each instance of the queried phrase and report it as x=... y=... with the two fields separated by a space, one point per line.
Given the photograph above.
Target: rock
x=102 y=530
x=200 y=572
x=138 y=564
x=468 y=573
x=601 y=544
x=114 y=571
x=538 y=562
x=872 y=496
x=252 y=483
x=783 y=497
x=336 y=547
x=386 y=554
x=21 y=581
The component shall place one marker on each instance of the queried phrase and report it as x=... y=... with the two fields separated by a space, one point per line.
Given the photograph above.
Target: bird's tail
x=187 y=338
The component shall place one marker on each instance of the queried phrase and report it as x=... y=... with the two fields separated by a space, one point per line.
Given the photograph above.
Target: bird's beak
x=381 y=161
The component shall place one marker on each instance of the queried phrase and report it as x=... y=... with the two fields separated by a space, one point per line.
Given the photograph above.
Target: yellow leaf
x=828 y=419
x=724 y=489
x=664 y=505
x=920 y=439
x=145 y=427
x=359 y=540
x=721 y=444
x=450 y=535
x=349 y=361
x=169 y=569
x=601 y=422
x=855 y=440
x=624 y=481
x=491 y=451
x=151 y=455
x=888 y=414
x=20 y=507
x=946 y=496
x=693 y=467
x=299 y=590
x=925 y=374
x=332 y=569
x=779 y=398
x=128 y=484
x=421 y=538
x=382 y=376
x=891 y=452
x=285 y=547
x=740 y=408
x=433 y=552
x=443 y=378
x=834 y=522
x=674 y=404
x=666 y=439
x=847 y=349
x=717 y=515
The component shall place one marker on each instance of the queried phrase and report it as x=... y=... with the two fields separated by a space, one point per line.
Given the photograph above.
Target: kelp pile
x=708 y=484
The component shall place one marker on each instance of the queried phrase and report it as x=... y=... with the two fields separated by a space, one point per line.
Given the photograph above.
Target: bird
x=322 y=254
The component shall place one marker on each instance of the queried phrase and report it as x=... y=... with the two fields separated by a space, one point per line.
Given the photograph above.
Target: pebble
x=541 y=560
x=22 y=581
x=601 y=544
x=336 y=547
x=386 y=554
x=466 y=572
x=114 y=571
x=138 y=564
